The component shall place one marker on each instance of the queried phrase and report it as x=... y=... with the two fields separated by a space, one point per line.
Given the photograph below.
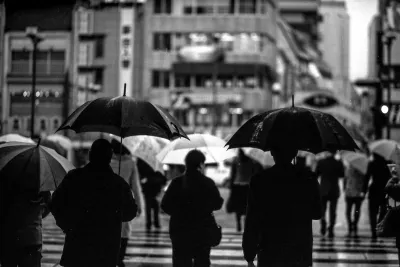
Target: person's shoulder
x=261 y=177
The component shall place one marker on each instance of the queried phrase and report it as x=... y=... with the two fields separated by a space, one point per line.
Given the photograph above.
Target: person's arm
x=316 y=213
x=251 y=231
x=393 y=188
x=129 y=207
x=59 y=203
x=214 y=196
x=135 y=185
x=170 y=200
x=367 y=178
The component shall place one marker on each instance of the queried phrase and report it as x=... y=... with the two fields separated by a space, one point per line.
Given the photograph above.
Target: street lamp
x=33 y=35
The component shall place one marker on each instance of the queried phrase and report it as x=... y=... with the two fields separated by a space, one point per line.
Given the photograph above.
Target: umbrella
x=212 y=146
x=123 y=116
x=16 y=138
x=33 y=166
x=146 y=148
x=384 y=147
x=64 y=141
x=356 y=160
x=305 y=129
x=54 y=145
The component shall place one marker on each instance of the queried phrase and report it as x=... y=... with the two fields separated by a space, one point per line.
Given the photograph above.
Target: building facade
x=245 y=32
x=334 y=44
x=53 y=59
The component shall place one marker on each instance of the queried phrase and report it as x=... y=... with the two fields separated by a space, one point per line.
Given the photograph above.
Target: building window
x=98 y=77
x=162 y=42
x=47 y=62
x=84 y=22
x=200 y=80
x=83 y=56
x=16 y=124
x=126 y=29
x=20 y=62
x=160 y=79
x=247 y=6
x=57 y=61
x=264 y=6
x=43 y=125
x=182 y=81
x=56 y=124
x=162 y=6
x=99 y=48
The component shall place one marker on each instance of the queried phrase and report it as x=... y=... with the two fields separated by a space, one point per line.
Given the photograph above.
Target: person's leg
x=202 y=257
x=324 y=203
x=181 y=255
x=147 y=204
x=31 y=256
x=156 y=212
x=238 y=221
x=349 y=206
x=382 y=208
x=373 y=208
x=357 y=214
x=332 y=216
x=122 y=252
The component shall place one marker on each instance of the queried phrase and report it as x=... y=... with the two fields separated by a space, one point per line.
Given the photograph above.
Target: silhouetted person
x=242 y=169
x=393 y=190
x=380 y=174
x=282 y=202
x=130 y=174
x=190 y=201
x=21 y=213
x=329 y=170
x=152 y=184
x=354 y=184
x=89 y=206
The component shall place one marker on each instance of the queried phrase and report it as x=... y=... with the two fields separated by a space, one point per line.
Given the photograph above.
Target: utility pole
x=32 y=34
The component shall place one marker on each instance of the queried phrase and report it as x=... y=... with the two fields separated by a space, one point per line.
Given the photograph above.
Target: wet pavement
x=154 y=249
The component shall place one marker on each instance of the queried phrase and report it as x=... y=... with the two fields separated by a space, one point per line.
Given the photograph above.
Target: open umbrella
x=384 y=147
x=123 y=116
x=64 y=141
x=212 y=146
x=305 y=129
x=32 y=165
x=146 y=148
x=15 y=138
x=358 y=161
x=55 y=146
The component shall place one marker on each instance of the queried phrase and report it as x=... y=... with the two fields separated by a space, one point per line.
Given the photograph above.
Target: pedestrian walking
x=152 y=184
x=242 y=169
x=380 y=174
x=282 y=202
x=393 y=191
x=21 y=214
x=130 y=174
x=190 y=201
x=329 y=170
x=89 y=206
x=354 y=184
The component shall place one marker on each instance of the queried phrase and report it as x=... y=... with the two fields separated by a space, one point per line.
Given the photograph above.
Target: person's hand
x=250 y=264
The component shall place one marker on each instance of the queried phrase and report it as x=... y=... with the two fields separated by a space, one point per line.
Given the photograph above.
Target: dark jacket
x=89 y=206
x=282 y=202
x=393 y=190
x=330 y=170
x=190 y=200
x=380 y=174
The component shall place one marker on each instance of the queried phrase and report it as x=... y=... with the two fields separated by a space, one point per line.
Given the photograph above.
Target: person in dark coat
x=21 y=214
x=151 y=187
x=89 y=206
x=379 y=173
x=329 y=170
x=393 y=191
x=190 y=201
x=242 y=169
x=282 y=202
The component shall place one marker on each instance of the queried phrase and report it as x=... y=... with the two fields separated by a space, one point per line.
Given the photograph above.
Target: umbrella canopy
x=33 y=166
x=384 y=147
x=16 y=138
x=358 y=161
x=123 y=116
x=54 y=145
x=305 y=129
x=146 y=148
x=64 y=141
x=212 y=146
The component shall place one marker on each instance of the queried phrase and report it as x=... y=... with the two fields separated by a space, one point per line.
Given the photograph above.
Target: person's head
x=195 y=160
x=283 y=153
x=100 y=152
x=118 y=149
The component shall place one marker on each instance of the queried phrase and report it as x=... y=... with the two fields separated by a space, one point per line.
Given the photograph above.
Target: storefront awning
x=207 y=68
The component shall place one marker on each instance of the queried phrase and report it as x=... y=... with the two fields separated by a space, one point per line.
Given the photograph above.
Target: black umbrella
x=305 y=129
x=123 y=116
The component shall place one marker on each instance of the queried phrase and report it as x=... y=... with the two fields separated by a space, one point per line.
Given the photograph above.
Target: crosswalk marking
x=154 y=249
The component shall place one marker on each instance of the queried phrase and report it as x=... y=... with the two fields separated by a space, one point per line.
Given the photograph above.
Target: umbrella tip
x=292 y=100
x=124 y=89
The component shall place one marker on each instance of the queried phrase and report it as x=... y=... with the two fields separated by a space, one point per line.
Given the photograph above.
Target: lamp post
x=32 y=34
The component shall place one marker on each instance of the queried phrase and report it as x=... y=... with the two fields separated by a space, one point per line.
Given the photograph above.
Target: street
x=154 y=249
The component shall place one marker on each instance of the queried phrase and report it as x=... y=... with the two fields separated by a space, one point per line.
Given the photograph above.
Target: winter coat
x=330 y=170
x=282 y=202
x=89 y=206
x=354 y=183
x=393 y=190
x=190 y=200
x=130 y=174
x=380 y=175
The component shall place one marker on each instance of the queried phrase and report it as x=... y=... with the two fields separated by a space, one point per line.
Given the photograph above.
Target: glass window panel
x=155 y=81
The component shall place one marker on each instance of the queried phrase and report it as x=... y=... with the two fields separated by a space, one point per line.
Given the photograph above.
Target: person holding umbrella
x=89 y=206
x=130 y=174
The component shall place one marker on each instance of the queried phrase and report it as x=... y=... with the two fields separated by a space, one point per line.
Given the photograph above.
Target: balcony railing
x=42 y=67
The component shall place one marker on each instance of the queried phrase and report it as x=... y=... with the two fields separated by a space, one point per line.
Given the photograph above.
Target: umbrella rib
x=50 y=168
